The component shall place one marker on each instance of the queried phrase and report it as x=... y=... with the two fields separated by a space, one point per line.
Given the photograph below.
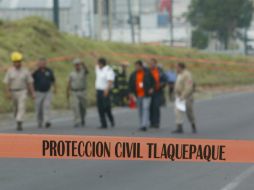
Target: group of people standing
x=19 y=82
x=146 y=85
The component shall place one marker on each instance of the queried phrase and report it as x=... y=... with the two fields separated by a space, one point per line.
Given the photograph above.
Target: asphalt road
x=225 y=117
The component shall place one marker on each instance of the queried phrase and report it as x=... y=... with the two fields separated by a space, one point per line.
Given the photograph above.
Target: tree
x=221 y=17
x=199 y=39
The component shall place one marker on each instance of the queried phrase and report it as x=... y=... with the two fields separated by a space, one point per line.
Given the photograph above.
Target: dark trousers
x=104 y=108
x=172 y=91
x=155 y=109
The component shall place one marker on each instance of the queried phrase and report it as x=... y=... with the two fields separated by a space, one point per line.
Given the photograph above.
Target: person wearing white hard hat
x=18 y=82
x=76 y=92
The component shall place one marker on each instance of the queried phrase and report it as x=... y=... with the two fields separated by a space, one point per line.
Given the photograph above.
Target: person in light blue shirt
x=171 y=78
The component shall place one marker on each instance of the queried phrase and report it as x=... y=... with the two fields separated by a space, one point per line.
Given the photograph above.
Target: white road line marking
x=239 y=179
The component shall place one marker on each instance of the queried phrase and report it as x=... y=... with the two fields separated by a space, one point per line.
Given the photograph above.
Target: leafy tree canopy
x=221 y=16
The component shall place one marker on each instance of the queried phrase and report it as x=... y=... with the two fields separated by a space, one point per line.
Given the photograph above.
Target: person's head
x=77 y=64
x=17 y=64
x=42 y=63
x=102 y=62
x=153 y=63
x=180 y=67
x=17 y=59
x=139 y=65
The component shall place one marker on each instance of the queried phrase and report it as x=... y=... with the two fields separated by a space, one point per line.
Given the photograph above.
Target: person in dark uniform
x=44 y=79
x=115 y=90
x=157 y=96
x=123 y=84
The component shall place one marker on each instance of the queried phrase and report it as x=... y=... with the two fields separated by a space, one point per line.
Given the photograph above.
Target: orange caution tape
x=125 y=148
x=181 y=59
x=244 y=67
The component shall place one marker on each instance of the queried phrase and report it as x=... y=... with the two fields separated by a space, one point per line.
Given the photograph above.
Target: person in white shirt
x=104 y=82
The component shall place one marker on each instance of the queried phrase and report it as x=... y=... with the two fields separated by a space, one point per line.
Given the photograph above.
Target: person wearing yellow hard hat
x=16 y=57
x=18 y=82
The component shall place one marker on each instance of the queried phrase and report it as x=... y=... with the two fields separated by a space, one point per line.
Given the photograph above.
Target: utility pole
x=56 y=12
x=100 y=13
x=131 y=21
x=246 y=41
x=171 y=14
x=139 y=24
x=91 y=18
x=110 y=20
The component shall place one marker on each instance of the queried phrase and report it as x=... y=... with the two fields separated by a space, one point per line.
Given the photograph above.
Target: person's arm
x=31 y=89
x=7 y=91
x=109 y=87
x=131 y=88
x=152 y=83
x=30 y=85
x=7 y=88
x=188 y=87
x=110 y=80
x=85 y=68
x=68 y=89
x=54 y=82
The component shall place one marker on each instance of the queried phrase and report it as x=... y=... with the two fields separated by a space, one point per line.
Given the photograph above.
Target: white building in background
x=154 y=24
x=82 y=17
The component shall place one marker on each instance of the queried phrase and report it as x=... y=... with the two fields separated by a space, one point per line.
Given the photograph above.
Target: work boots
x=194 y=129
x=179 y=129
x=48 y=125
x=83 y=123
x=19 y=126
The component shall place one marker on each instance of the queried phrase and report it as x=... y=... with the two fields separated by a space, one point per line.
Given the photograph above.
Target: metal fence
x=110 y=19
x=150 y=23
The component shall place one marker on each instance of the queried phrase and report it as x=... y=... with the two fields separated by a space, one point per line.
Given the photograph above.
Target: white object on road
x=180 y=104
